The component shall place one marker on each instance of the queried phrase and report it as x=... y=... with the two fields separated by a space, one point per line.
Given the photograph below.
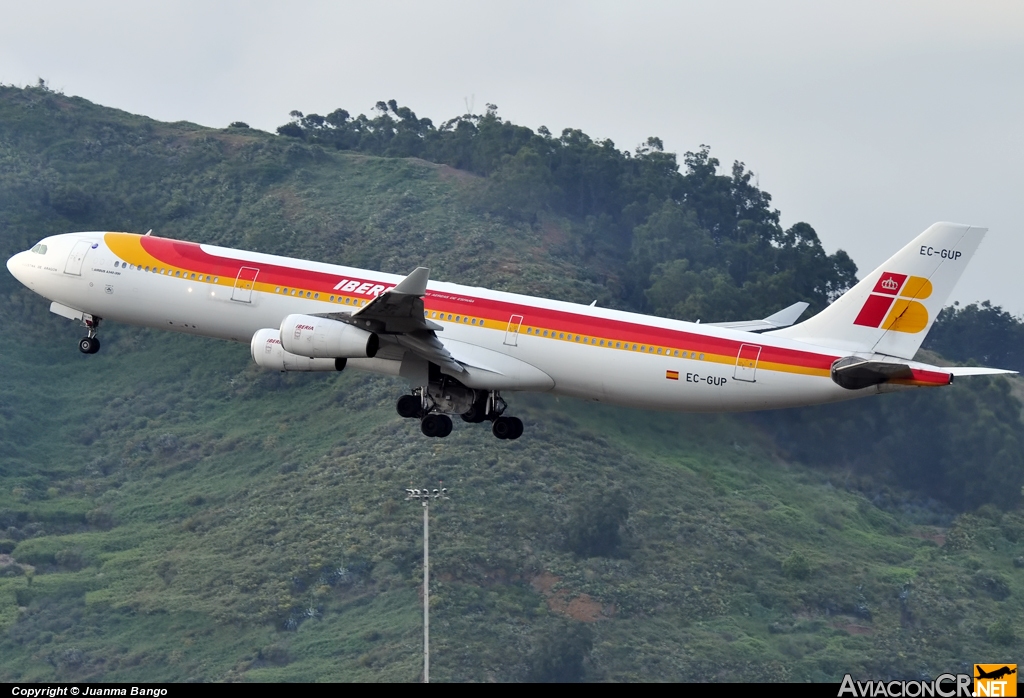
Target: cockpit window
x=40 y=248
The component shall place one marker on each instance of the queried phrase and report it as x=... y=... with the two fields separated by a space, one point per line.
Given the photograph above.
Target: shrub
x=560 y=655
x=796 y=566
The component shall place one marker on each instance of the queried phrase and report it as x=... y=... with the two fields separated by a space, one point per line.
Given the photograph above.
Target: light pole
x=425 y=495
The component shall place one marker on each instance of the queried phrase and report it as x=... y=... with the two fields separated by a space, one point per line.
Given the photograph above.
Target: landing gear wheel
x=89 y=345
x=507 y=428
x=517 y=428
x=409 y=406
x=475 y=415
x=438 y=425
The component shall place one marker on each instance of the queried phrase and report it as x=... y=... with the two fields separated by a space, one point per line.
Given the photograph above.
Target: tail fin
x=891 y=310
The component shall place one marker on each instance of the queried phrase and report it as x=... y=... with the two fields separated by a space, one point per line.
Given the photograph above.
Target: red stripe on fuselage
x=191 y=256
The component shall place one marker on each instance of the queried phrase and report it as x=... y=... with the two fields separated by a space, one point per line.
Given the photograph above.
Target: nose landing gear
x=90 y=344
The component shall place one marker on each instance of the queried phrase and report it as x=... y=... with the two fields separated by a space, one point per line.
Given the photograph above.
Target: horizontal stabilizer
x=783 y=318
x=977 y=371
x=854 y=373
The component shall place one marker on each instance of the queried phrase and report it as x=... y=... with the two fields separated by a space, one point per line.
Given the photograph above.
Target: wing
x=397 y=317
x=783 y=318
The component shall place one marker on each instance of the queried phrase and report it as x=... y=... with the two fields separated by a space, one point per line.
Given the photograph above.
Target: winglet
x=787 y=316
x=783 y=318
x=413 y=285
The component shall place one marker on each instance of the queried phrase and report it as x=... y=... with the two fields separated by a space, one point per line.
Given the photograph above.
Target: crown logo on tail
x=890 y=284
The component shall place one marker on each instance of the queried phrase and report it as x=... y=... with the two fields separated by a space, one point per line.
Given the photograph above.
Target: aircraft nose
x=14 y=264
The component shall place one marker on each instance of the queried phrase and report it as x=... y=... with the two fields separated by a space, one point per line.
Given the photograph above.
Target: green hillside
x=170 y=512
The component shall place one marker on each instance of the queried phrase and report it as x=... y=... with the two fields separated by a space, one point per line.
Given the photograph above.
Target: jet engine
x=322 y=338
x=268 y=353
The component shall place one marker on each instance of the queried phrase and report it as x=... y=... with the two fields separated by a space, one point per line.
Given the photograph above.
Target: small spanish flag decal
x=672 y=375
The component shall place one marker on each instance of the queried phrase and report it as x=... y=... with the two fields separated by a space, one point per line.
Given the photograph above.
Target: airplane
x=994 y=674
x=460 y=347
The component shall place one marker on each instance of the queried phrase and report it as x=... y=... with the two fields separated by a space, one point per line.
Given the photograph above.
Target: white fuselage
x=531 y=343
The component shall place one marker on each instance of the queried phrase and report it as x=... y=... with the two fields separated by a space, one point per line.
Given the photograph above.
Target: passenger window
x=293 y=291
x=473 y=322
x=215 y=279
x=701 y=357
x=545 y=333
x=193 y=277
x=561 y=335
x=332 y=299
x=316 y=295
x=177 y=273
x=116 y=264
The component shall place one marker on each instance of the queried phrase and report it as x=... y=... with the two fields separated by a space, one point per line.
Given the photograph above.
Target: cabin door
x=512 y=332
x=244 y=283
x=746 y=362
x=77 y=257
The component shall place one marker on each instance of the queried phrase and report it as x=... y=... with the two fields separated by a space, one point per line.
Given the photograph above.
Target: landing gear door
x=746 y=363
x=512 y=333
x=244 y=283
x=77 y=257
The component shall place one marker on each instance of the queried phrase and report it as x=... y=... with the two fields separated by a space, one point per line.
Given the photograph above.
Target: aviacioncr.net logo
x=945 y=686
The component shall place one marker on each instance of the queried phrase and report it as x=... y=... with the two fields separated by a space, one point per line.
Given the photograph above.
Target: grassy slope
x=187 y=516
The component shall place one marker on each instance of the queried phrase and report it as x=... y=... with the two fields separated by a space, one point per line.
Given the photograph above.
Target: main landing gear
x=90 y=344
x=430 y=406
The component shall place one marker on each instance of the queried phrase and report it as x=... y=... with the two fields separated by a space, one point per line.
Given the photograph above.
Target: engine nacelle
x=268 y=353
x=321 y=338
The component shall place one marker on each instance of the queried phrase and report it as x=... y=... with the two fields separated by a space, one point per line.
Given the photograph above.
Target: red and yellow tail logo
x=893 y=304
x=995 y=680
